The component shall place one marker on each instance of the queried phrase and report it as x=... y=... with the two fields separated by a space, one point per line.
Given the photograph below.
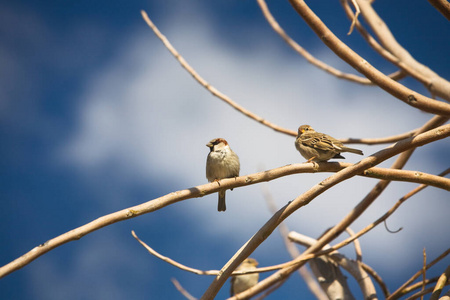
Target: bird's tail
x=352 y=150
x=221 y=205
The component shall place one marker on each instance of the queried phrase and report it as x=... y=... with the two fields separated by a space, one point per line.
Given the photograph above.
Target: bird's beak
x=209 y=145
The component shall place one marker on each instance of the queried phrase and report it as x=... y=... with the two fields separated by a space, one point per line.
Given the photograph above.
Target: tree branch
x=213 y=187
x=394 y=88
x=442 y=6
x=437 y=85
x=202 y=272
x=304 y=199
x=442 y=281
x=405 y=68
x=399 y=292
x=293 y=251
x=180 y=288
x=309 y=57
x=352 y=216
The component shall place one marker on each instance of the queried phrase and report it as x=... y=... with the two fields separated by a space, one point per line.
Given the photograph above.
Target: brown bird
x=316 y=146
x=241 y=283
x=221 y=163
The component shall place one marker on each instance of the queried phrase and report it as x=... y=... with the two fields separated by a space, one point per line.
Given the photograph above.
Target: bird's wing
x=319 y=141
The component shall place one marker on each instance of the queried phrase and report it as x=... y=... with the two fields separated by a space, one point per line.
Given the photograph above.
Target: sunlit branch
x=336 y=230
x=304 y=199
x=394 y=88
x=308 y=56
x=292 y=249
x=435 y=83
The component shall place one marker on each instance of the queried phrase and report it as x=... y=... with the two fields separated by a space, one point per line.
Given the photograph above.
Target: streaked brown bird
x=316 y=146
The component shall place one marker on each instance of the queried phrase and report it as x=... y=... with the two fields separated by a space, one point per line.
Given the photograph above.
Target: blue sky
x=97 y=116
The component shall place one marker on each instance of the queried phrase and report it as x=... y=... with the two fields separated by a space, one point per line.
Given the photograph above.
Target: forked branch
x=394 y=88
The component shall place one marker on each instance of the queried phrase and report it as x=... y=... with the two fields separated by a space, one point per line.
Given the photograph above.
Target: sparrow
x=221 y=163
x=241 y=283
x=316 y=146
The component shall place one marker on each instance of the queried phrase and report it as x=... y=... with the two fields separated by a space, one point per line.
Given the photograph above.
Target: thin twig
x=372 y=42
x=377 y=278
x=418 y=285
x=356 y=243
x=383 y=140
x=424 y=271
x=399 y=292
x=305 y=54
x=208 y=86
x=182 y=290
x=272 y=289
x=420 y=294
x=202 y=272
x=355 y=17
x=389 y=230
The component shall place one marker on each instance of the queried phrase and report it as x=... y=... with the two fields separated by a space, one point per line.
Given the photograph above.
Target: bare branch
x=420 y=294
x=293 y=236
x=271 y=290
x=386 y=215
x=424 y=271
x=376 y=277
x=171 y=261
x=208 y=86
x=202 y=272
x=209 y=188
x=442 y=281
x=355 y=17
x=437 y=85
x=400 y=291
x=308 y=56
x=293 y=251
x=442 y=6
x=352 y=266
x=304 y=199
x=356 y=244
x=182 y=290
x=394 y=88
x=372 y=42
x=417 y=285
x=336 y=230
x=375 y=141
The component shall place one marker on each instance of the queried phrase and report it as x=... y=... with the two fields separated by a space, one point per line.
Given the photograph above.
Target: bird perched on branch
x=241 y=283
x=316 y=146
x=221 y=163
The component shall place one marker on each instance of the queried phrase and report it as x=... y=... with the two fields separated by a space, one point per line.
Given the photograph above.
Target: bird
x=316 y=146
x=221 y=163
x=241 y=283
